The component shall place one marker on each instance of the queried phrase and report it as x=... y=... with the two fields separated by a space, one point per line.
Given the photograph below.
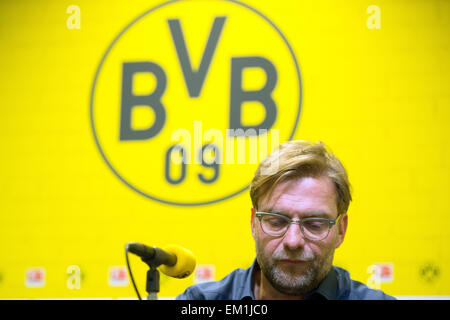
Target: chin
x=293 y=284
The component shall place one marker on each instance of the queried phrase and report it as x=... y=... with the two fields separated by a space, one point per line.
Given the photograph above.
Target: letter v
x=194 y=79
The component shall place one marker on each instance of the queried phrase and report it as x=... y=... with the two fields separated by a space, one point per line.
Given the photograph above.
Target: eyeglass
x=314 y=229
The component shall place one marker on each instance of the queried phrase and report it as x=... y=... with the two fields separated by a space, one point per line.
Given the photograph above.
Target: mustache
x=303 y=256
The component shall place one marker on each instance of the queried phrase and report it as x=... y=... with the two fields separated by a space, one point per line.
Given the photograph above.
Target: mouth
x=293 y=261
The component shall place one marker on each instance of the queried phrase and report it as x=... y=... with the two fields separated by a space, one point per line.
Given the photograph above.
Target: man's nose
x=293 y=239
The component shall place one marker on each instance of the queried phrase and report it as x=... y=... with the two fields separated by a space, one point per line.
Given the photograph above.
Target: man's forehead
x=288 y=194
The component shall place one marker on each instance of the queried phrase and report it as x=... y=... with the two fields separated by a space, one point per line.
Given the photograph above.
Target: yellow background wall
x=379 y=98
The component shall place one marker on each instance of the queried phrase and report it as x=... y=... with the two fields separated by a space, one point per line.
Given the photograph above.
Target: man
x=300 y=195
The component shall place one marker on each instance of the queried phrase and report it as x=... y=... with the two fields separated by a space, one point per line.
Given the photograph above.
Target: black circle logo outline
x=91 y=105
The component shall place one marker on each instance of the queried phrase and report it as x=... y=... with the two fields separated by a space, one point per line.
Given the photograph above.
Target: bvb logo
x=189 y=98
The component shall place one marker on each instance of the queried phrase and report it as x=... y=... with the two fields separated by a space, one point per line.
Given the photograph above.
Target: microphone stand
x=152 y=286
x=153 y=257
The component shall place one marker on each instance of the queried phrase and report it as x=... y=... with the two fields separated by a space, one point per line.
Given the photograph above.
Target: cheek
x=320 y=249
x=271 y=245
x=324 y=250
x=265 y=243
x=333 y=238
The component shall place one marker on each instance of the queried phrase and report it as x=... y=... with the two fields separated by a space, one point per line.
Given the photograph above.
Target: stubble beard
x=292 y=282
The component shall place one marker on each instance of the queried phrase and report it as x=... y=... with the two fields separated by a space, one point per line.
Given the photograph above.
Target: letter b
x=152 y=100
x=263 y=95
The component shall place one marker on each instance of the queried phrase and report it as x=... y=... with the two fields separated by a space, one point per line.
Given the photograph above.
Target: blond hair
x=298 y=159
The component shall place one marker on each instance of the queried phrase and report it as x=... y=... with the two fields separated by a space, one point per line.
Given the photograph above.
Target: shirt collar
x=247 y=289
x=327 y=289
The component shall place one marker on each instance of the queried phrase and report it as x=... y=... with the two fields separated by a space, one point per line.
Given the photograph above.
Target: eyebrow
x=310 y=214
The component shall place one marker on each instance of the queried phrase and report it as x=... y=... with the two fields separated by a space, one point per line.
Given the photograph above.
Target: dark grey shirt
x=238 y=285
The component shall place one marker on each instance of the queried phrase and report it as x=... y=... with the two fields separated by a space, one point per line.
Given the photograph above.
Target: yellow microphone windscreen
x=185 y=264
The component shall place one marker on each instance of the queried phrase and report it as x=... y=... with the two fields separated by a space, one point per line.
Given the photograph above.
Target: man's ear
x=342 y=229
x=252 y=222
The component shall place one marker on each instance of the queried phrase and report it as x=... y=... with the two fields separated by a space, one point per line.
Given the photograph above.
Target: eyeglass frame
x=331 y=223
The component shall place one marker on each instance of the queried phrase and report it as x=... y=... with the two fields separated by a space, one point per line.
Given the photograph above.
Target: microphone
x=173 y=260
